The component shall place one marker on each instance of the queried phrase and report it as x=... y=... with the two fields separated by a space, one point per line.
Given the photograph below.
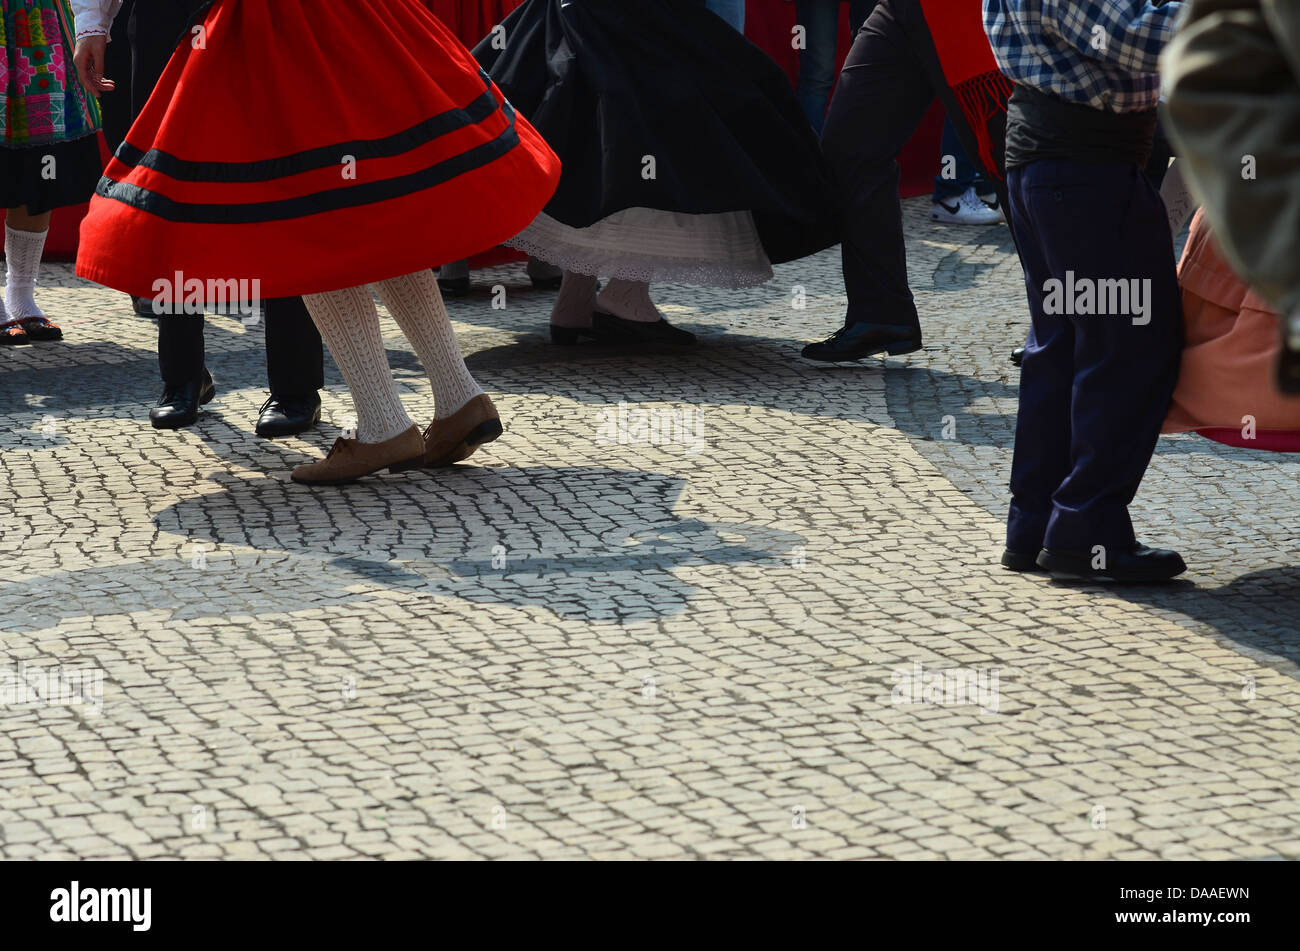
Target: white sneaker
x=991 y=200
x=967 y=209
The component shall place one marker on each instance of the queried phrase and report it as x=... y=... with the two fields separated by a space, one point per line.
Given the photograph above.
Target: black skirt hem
x=47 y=177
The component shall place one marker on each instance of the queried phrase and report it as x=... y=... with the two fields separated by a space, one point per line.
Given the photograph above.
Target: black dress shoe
x=143 y=307
x=288 y=415
x=639 y=331
x=1018 y=356
x=568 y=336
x=1136 y=565
x=545 y=277
x=178 y=406
x=454 y=286
x=1020 y=560
x=864 y=340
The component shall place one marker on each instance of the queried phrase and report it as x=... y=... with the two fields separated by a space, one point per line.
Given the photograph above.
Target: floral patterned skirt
x=42 y=100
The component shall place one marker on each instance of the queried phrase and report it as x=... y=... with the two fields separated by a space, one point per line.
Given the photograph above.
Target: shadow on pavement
x=1259 y=612
x=591 y=543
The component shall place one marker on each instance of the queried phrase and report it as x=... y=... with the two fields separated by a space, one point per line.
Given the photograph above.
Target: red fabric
x=472 y=20
x=768 y=24
x=1265 y=440
x=328 y=90
x=957 y=27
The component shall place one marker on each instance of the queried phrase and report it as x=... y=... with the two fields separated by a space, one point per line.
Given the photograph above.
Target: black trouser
x=294 y=353
x=116 y=105
x=890 y=78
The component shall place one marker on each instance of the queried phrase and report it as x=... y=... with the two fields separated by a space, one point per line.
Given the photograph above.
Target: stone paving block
x=683 y=648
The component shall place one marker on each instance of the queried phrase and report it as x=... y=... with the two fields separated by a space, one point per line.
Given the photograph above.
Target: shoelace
x=973 y=201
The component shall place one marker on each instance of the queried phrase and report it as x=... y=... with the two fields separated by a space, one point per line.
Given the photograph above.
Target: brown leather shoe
x=350 y=459
x=456 y=438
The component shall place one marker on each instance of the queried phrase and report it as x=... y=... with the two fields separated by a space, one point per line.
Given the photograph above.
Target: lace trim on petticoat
x=707 y=250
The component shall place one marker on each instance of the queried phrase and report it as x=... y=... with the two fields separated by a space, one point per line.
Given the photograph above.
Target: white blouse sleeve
x=94 y=17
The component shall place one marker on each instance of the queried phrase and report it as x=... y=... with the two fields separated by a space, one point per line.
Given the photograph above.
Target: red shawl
x=968 y=64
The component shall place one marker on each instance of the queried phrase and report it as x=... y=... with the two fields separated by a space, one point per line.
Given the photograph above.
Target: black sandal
x=13 y=335
x=41 y=328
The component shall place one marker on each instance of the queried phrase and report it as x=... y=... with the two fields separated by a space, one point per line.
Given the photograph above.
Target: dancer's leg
x=349 y=324
x=416 y=305
x=576 y=301
x=24 y=243
x=629 y=300
x=626 y=313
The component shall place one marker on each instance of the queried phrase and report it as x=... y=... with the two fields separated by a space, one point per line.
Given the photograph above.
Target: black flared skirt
x=659 y=104
x=45 y=177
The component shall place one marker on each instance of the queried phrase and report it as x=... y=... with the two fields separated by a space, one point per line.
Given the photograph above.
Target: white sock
x=576 y=301
x=23 y=253
x=349 y=324
x=416 y=304
x=629 y=300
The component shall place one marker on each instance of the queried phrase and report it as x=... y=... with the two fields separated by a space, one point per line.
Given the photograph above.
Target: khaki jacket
x=1233 y=78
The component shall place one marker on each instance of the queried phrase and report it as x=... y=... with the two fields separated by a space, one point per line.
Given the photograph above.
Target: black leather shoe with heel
x=178 y=406
x=857 y=341
x=288 y=415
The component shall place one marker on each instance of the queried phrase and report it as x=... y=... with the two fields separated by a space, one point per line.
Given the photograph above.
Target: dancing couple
x=337 y=193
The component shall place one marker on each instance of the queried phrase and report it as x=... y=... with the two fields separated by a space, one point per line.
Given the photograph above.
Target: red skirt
x=313 y=145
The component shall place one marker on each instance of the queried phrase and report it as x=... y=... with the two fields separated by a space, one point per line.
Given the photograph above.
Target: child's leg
x=416 y=305
x=349 y=324
x=24 y=244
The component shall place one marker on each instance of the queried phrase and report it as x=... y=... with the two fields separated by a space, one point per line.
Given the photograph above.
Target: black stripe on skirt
x=312 y=160
x=333 y=199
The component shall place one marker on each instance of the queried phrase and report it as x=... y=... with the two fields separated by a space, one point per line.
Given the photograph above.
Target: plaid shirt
x=1103 y=53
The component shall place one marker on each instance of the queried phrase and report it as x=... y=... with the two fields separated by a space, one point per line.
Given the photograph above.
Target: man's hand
x=89 y=59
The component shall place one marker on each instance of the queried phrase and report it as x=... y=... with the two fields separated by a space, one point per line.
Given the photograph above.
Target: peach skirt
x=1226 y=389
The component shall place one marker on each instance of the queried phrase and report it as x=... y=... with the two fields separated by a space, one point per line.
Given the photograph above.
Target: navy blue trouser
x=1094 y=390
x=966 y=174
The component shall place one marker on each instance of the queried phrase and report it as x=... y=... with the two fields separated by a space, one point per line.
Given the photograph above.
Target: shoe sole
x=407 y=466
x=482 y=434
x=277 y=434
x=957 y=221
x=1060 y=572
x=1024 y=564
x=203 y=401
x=570 y=336
x=617 y=333
x=893 y=350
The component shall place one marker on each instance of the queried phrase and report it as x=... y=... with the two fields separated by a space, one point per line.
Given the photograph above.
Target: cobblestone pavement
x=670 y=614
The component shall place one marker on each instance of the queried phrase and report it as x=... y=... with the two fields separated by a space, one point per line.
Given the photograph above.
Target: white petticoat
x=642 y=244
